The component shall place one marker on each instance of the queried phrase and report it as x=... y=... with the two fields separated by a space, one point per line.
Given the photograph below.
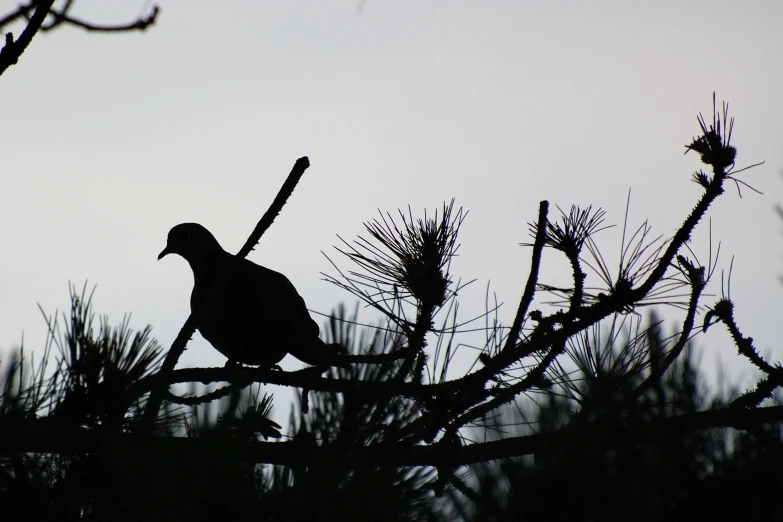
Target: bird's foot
x=235 y=365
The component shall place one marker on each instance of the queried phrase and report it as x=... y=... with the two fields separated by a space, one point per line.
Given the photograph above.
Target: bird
x=249 y=313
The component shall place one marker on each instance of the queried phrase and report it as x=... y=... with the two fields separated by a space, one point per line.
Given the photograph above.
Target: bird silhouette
x=249 y=313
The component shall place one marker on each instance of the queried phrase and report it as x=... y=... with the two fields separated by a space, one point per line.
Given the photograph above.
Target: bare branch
x=140 y=24
x=11 y=52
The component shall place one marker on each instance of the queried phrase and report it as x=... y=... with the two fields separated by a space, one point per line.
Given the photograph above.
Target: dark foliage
x=614 y=473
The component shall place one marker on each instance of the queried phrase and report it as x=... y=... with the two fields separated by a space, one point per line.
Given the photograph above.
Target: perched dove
x=251 y=314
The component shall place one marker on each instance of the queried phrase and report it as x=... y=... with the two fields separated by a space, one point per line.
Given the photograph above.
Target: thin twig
x=20 y=12
x=140 y=24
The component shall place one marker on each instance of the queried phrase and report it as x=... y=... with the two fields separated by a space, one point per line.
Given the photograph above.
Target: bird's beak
x=164 y=253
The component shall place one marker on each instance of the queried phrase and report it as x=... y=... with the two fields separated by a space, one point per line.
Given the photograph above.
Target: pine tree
x=99 y=426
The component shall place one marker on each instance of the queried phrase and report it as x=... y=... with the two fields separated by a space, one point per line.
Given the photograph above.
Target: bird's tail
x=318 y=353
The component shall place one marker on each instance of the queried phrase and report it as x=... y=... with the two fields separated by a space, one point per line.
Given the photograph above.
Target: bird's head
x=191 y=241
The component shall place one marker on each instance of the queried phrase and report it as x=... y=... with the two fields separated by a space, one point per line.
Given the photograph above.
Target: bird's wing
x=267 y=296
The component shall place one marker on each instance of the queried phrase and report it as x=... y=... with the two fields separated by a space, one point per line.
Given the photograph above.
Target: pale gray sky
x=109 y=140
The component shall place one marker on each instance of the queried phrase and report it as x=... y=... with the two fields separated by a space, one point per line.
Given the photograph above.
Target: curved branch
x=697 y=286
x=140 y=24
x=20 y=12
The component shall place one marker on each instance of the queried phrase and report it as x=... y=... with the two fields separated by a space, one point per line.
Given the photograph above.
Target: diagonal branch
x=283 y=194
x=12 y=50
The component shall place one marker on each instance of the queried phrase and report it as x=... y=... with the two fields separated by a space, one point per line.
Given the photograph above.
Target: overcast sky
x=110 y=140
